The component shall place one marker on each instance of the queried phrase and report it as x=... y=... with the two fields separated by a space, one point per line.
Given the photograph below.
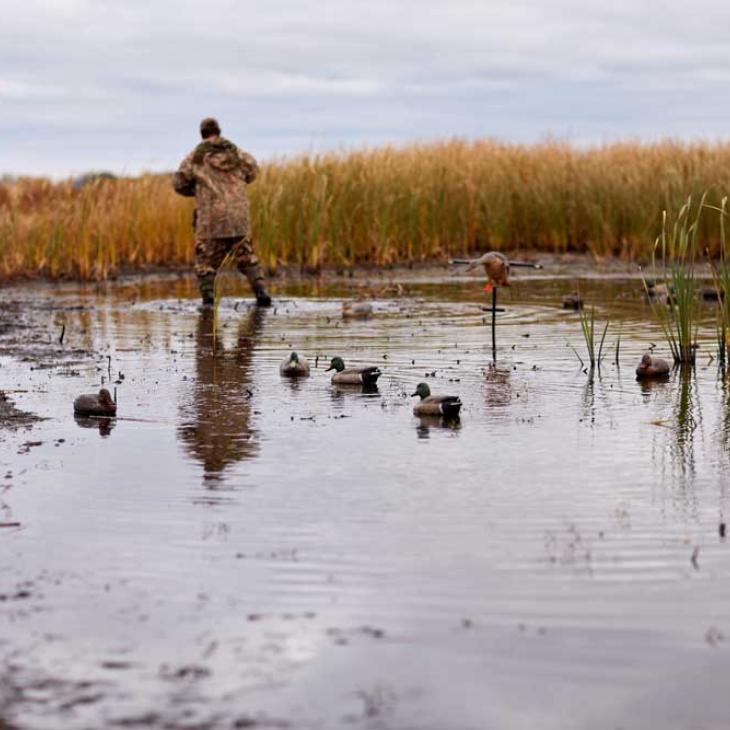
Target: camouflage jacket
x=216 y=172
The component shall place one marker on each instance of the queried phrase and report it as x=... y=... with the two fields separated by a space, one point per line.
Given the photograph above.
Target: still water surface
x=243 y=551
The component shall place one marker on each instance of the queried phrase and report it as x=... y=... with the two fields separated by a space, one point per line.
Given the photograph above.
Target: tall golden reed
x=379 y=206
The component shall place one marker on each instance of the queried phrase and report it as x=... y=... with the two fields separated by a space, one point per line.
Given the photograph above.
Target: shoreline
x=579 y=265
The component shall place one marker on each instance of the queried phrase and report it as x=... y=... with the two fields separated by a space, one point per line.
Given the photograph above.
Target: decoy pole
x=494 y=323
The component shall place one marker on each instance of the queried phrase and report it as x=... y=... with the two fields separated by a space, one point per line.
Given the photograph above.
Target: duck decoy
x=573 y=301
x=435 y=405
x=496 y=267
x=100 y=404
x=352 y=376
x=356 y=310
x=712 y=294
x=652 y=367
x=661 y=293
x=294 y=366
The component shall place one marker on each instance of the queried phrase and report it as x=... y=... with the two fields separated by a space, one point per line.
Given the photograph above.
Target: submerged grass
x=378 y=206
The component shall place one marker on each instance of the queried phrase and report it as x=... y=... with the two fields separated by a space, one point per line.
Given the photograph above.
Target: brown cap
x=209 y=127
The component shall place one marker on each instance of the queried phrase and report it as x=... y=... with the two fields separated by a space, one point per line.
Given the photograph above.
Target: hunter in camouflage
x=216 y=173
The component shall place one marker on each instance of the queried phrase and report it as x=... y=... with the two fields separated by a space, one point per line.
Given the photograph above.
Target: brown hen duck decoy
x=652 y=367
x=100 y=404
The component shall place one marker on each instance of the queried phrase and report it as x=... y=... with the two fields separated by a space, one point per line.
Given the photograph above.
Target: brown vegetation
x=381 y=206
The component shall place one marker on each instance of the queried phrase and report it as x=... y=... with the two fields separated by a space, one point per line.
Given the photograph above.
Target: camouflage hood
x=219 y=154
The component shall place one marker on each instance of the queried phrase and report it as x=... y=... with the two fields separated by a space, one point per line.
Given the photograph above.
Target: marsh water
x=239 y=550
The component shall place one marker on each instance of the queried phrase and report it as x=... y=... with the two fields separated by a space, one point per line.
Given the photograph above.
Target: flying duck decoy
x=496 y=267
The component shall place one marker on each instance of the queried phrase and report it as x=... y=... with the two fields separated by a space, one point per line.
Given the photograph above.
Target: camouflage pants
x=210 y=253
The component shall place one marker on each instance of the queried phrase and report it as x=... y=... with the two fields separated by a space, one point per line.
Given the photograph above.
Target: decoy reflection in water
x=100 y=404
x=215 y=422
x=365 y=376
x=294 y=366
x=428 y=423
x=652 y=367
x=447 y=406
x=103 y=425
x=356 y=310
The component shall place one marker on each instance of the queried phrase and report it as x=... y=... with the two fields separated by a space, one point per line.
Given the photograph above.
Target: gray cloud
x=121 y=85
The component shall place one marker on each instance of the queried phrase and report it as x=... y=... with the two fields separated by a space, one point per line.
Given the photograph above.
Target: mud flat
x=237 y=551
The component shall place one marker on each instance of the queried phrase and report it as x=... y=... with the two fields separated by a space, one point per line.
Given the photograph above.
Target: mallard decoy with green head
x=353 y=376
x=435 y=405
x=100 y=404
x=652 y=367
x=356 y=310
x=294 y=366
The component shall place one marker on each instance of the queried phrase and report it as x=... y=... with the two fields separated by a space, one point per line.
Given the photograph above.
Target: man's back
x=216 y=172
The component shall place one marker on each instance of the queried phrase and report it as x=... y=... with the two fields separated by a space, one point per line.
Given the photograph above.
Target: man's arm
x=249 y=166
x=183 y=181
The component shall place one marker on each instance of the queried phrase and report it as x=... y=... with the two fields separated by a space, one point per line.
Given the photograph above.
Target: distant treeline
x=382 y=206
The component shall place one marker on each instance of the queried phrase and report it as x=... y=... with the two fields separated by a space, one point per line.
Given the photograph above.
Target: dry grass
x=381 y=206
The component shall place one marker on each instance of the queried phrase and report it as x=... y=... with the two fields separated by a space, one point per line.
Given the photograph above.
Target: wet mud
x=241 y=550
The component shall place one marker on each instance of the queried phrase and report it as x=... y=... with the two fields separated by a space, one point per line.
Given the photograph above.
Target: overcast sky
x=122 y=84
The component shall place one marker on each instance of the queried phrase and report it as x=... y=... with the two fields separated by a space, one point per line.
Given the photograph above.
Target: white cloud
x=102 y=83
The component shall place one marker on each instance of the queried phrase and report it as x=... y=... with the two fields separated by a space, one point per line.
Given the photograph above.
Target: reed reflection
x=215 y=426
x=724 y=430
x=687 y=419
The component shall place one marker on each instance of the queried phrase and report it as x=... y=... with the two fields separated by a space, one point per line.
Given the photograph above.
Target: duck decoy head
x=294 y=358
x=422 y=390
x=105 y=397
x=337 y=363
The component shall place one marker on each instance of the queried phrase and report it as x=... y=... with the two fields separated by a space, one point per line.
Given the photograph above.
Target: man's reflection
x=215 y=426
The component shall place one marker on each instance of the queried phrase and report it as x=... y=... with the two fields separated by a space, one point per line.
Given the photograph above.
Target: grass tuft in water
x=218 y=291
x=721 y=278
x=588 y=328
x=673 y=263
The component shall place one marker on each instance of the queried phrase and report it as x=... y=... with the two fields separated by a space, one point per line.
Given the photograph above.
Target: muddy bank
x=33 y=332
x=560 y=265
x=12 y=417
